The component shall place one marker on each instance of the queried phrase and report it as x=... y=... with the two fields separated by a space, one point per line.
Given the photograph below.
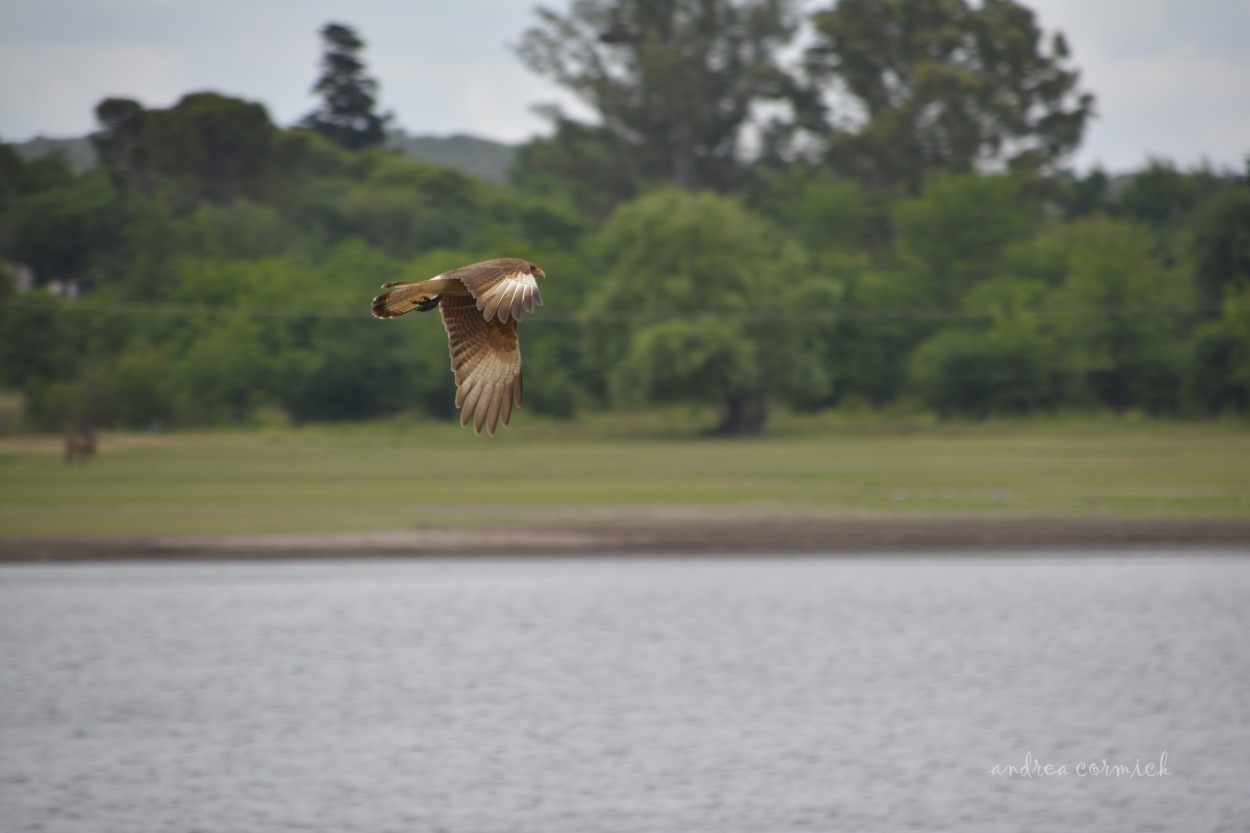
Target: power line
x=884 y=315
x=183 y=310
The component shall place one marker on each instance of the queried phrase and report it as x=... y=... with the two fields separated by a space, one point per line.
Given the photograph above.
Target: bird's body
x=480 y=305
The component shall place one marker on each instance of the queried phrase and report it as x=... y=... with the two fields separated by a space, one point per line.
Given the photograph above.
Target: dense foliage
x=216 y=268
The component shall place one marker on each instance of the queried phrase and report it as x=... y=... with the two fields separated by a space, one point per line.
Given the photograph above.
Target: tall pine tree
x=347 y=115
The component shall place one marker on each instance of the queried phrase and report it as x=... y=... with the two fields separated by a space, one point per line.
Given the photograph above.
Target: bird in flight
x=481 y=304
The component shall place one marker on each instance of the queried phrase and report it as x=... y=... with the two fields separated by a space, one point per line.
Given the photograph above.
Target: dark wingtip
x=379 y=307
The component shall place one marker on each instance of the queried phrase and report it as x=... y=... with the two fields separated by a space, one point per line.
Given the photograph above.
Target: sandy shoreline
x=935 y=536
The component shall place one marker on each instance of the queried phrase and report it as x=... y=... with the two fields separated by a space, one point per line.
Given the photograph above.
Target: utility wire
x=884 y=315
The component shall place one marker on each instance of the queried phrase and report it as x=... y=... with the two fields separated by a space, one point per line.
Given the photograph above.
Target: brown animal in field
x=79 y=446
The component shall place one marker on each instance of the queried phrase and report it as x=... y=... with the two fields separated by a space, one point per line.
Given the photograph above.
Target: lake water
x=674 y=696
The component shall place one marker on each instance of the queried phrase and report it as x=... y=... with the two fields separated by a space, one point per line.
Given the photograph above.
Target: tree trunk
x=746 y=415
x=685 y=168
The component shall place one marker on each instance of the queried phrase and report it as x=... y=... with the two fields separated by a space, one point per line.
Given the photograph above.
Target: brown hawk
x=481 y=305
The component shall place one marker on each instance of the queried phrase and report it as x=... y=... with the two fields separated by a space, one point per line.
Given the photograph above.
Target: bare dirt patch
x=850 y=536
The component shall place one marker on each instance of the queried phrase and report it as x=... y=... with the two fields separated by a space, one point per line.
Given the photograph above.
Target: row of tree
x=932 y=253
x=885 y=92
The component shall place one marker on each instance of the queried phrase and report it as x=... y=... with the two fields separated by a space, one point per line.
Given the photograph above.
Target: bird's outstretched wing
x=486 y=361
x=480 y=305
x=503 y=288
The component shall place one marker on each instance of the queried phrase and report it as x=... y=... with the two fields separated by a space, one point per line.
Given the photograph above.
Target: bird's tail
x=405 y=297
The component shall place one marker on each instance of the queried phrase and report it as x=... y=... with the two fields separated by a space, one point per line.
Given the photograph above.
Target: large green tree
x=944 y=85
x=55 y=223
x=348 y=113
x=952 y=236
x=1118 y=316
x=672 y=82
x=947 y=241
x=707 y=302
x=1222 y=246
x=206 y=147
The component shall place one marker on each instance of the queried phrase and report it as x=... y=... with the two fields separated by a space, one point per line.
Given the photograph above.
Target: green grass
x=403 y=476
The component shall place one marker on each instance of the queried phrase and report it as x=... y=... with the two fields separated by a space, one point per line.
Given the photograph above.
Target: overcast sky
x=1172 y=77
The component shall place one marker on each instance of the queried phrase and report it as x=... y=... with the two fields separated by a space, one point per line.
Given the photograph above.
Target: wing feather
x=516 y=302
x=504 y=303
x=470 y=410
x=505 y=401
x=486 y=361
x=489 y=304
x=491 y=415
x=496 y=284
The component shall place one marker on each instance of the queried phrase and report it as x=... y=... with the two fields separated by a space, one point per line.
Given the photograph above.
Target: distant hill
x=78 y=151
x=482 y=158
x=470 y=155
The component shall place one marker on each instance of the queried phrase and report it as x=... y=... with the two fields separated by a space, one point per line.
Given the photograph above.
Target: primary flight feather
x=481 y=304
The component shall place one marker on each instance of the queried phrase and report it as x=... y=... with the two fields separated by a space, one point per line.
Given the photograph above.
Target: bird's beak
x=538 y=273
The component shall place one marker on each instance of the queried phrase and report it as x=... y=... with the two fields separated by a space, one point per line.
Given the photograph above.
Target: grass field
x=405 y=476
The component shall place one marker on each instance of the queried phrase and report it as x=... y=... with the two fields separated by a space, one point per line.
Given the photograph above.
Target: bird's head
x=536 y=272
